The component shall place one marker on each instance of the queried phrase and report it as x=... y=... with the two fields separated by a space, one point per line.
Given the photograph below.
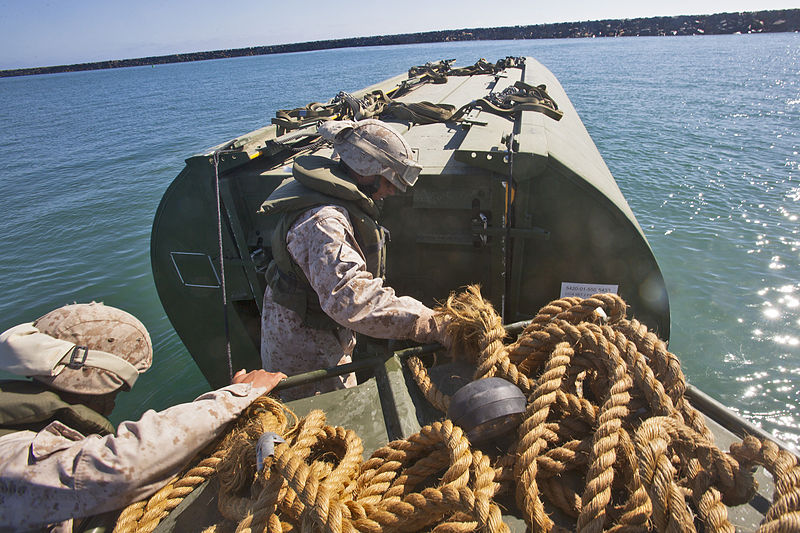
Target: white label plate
x=585 y=290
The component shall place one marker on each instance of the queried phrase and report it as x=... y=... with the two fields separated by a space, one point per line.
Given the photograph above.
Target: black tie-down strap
x=519 y=97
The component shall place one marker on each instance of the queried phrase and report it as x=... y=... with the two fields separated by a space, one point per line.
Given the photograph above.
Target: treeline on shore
x=785 y=20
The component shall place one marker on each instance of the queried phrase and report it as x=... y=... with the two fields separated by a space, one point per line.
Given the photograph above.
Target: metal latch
x=480 y=225
x=260 y=259
x=265 y=447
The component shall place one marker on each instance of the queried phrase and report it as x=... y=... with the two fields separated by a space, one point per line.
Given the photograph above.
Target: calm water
x=700 y=133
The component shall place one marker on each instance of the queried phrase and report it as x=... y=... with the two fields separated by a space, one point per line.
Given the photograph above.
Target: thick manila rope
x=607 y=438
x=318 y=480
x=642 y=433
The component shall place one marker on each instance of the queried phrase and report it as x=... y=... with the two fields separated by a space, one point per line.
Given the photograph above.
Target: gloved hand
x=433 y=328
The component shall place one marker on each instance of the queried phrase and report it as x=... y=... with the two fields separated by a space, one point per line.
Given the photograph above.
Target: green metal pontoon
x=523 y=205
x=520 y=202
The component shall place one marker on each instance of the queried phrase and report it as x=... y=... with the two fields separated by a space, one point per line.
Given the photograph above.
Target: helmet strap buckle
x=76 y=361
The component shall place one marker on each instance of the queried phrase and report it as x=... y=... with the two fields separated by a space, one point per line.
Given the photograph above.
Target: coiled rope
x=608 y=439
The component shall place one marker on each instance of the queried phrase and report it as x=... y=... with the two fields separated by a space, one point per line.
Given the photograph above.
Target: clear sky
x=55 y=32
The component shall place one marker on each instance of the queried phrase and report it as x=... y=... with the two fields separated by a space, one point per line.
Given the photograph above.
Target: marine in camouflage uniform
x=325 y=282
x=60 y=458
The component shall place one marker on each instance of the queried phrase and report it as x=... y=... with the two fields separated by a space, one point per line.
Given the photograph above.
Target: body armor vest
x=28 y=405
x=317 y=181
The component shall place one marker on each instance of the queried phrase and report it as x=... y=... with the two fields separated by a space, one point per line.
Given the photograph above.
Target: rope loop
x=607 y=441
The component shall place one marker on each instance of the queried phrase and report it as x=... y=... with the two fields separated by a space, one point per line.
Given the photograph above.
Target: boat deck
x=403 y=411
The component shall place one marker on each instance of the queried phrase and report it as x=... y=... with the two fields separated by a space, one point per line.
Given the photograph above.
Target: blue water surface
x=700 y=133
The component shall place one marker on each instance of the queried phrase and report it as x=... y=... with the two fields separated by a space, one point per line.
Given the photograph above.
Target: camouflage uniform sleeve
x=323 y=244
x=63 y=474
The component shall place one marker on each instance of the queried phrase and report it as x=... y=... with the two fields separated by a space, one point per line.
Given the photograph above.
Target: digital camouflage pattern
x=322 y=243
x=100 y=327
x=383 y=137
x=57 y=474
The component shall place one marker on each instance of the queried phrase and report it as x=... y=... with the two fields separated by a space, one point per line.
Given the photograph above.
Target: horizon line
x=461 y=34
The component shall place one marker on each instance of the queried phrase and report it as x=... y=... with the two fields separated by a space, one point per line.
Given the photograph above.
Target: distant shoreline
x=775 y=21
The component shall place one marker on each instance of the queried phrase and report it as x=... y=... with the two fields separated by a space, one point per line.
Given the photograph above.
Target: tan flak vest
x=317 y=181
x=27 y=405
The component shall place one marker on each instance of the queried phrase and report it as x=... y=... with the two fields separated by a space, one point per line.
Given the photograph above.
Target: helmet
x=80 y=348
x=371 y=147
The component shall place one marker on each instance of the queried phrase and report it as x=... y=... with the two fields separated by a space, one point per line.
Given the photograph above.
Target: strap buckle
x=76 y=361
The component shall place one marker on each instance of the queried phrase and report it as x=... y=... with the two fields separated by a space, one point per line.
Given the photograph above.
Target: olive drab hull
x=513 y=196
x=520 y=203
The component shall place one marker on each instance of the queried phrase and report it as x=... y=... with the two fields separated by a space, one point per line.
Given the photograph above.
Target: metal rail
x=707 y=405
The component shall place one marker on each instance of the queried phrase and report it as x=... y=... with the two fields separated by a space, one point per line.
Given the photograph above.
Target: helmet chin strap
x=367 y=188
x=371 y=188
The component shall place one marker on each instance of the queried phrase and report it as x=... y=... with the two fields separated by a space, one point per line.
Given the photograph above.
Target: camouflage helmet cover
x=373 y=148
x=98 y=327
